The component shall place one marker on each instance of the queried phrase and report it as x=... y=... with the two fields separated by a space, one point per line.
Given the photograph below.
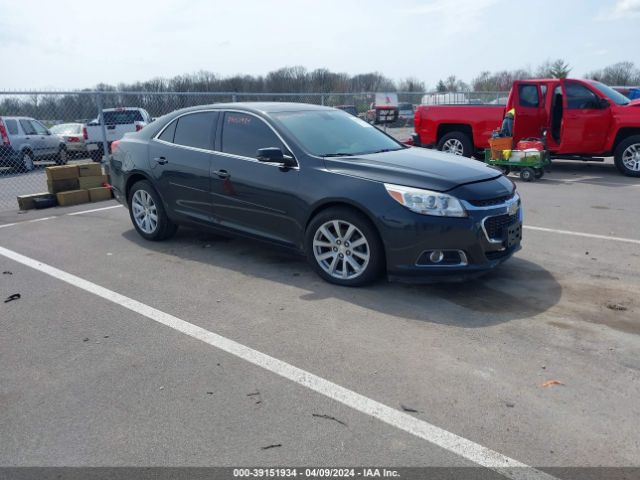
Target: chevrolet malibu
x=321 y=182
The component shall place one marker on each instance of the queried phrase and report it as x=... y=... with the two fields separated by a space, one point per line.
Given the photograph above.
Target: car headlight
x=426 y=202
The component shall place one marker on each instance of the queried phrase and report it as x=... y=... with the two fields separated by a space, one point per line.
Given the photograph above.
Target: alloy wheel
x=453 y=145
x=631 y=157
x=145 y=212
x=341 y=249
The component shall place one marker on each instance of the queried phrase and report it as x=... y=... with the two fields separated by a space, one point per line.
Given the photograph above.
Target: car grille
x=491 y=201
x=494 y=226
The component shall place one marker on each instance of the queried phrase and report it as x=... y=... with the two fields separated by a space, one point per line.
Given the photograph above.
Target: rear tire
x=627 y=156
x=344 y=247
x=147 y=213
x=456 y=143
x=63 y=156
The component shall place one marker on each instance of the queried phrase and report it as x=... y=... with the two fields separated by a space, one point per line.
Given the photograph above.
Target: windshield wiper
x=339 y=154
x=383 y=150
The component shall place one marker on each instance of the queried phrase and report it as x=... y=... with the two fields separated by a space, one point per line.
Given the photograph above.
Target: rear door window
x=12 y=126
x=196 y=130
x=27 y=128
x=244 y=134
x=167 y=134
x=528 y=95
x=39 y=128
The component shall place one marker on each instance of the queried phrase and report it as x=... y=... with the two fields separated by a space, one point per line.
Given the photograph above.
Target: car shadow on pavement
x=517 y=289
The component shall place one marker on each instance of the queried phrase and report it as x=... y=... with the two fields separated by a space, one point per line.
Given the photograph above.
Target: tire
x=506 y=170
x=145 y=204
x=627 y=156
x=457 y=143
x=26 y=162
x=539 y=173
x=63 y=156
x=96 y=155
x=356 y=259
x=527 y=174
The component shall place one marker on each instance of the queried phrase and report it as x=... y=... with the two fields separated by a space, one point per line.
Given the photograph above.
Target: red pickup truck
x=579 y=120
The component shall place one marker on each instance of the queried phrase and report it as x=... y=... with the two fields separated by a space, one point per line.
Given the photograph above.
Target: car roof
x=13 y=117
x=260 y=107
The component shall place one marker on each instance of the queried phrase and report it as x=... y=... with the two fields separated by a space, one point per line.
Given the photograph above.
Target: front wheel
x=344 y=248
x=627 y=156
x=26 y=164
x=147 y=213
x=457 y=143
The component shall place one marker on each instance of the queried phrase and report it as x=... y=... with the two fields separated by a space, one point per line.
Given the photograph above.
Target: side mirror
x=274 y=155
x=603 y=103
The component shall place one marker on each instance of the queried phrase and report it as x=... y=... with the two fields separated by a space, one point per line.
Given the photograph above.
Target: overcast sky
x=76 y=44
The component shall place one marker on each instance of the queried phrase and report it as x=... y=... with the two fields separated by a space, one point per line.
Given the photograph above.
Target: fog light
x=436 y=256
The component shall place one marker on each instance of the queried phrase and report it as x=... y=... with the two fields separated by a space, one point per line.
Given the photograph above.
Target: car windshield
x=334 y=133
x=615 y=96
x=65 y=129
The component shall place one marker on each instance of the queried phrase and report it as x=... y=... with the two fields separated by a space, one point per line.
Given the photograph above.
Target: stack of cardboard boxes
x=71 y=185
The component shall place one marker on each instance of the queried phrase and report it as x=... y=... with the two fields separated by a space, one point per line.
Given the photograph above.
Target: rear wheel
x=627 y=156
x=539 y=173
x=147 y=213
x=457 y=143
x=62 y=157
x=344 y=248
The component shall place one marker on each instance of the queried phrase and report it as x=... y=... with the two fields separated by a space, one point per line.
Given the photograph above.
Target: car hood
x=414 y=167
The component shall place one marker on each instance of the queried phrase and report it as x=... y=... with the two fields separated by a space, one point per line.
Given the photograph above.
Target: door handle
x=161 y=160
x=222 y=174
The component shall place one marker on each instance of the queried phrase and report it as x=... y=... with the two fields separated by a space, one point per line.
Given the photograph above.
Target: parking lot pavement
x=470 y=358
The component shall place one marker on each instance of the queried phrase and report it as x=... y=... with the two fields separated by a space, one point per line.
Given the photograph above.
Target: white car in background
x=74 y=136
x=117 y=122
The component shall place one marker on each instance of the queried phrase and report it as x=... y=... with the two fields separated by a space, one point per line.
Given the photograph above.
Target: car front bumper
x=470 y=246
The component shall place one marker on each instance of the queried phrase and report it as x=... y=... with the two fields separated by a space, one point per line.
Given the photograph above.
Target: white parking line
x=39 y=219
x=94 y=210
x=8 y=225
x=582 y=234
x=463 y=447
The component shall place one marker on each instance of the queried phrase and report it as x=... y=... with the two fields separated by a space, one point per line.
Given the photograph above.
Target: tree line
x=297 y=79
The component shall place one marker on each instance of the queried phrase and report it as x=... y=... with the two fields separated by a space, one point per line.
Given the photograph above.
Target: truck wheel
x=457 y=143
x=627 y=156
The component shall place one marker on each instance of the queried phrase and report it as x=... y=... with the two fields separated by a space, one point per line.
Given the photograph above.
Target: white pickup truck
x=117 y=122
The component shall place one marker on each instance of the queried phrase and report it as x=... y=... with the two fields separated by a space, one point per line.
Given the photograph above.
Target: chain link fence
x=39 y=128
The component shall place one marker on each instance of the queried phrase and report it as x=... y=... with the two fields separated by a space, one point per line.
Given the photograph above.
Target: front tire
x=344 y=248
x=148 y=214
x=627 y=156
x=456 y=143
x=26 y=162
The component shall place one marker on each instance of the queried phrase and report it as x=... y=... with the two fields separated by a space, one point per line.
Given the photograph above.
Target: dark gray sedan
x=322 y=182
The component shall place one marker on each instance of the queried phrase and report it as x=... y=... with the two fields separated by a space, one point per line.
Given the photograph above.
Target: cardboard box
x=92 y=182
x=27 y=202
x=99 y=194
x=55 y=186
x=62 y=172
x=72 y=197
x=89 y=169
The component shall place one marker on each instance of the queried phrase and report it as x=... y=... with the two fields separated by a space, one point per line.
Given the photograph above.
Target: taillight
x=85 y=134
x=3 y=134
x=114 y=146
x=416 y=120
